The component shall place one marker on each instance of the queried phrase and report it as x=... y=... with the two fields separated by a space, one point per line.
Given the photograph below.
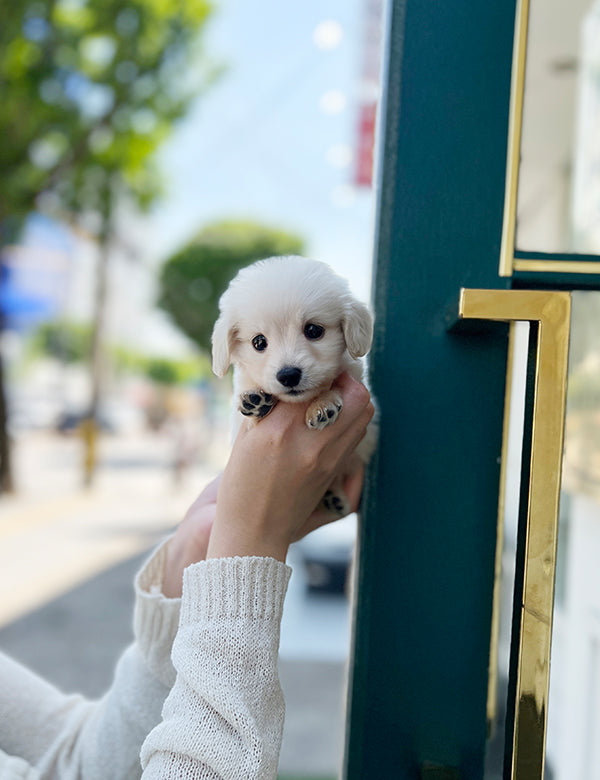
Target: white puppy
x=290 y=326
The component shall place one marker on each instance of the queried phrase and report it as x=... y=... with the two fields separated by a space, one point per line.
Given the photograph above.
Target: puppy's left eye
x=312 y=331
x=259 y=343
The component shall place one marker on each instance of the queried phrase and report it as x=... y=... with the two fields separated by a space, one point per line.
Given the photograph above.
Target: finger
x=352 y=389
x=355 y=395
x=318 y=519
x=353 y=485
x=346 y=442
x=349 y=428
x=209 y=494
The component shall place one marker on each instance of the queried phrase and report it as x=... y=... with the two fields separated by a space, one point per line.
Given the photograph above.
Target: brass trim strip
x=558 y=266
x=552 y=310
x=515 y=125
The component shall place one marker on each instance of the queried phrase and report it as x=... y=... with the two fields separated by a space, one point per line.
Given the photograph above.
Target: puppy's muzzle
x=289 y=376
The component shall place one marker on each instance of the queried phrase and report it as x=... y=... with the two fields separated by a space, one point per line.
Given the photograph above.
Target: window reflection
x=558 y=208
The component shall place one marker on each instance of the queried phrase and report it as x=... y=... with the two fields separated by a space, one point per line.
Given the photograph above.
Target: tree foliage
x=192 y=281
x=89 y=89
x=68 y=342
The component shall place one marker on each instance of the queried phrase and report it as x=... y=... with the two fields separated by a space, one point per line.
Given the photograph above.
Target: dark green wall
x=419 y=677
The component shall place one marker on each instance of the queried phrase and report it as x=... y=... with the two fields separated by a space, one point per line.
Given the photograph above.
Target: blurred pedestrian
x=207 y=618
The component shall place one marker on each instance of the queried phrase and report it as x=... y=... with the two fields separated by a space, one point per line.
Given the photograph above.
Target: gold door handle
x=550 y=316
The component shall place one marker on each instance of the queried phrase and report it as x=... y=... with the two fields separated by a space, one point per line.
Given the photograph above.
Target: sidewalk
x=67 y=562
x=55 y=534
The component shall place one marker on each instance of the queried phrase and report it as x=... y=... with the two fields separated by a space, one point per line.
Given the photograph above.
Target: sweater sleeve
x=12 y=768
x=66 y=736
x=223 y=719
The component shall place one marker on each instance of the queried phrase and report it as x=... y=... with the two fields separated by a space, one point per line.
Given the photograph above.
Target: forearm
x=224 y=716
x=16 y=768
x=114 y=732
x=114 y=729
x=66 y=736
x=231 y=540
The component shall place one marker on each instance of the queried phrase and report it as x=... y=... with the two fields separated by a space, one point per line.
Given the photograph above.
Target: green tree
x=164 y=371
x=89 y=89
x=191 y=282
x=68 y=342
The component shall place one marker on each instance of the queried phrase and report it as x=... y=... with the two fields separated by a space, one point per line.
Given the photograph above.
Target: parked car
x=327 y=556
x=69 y=422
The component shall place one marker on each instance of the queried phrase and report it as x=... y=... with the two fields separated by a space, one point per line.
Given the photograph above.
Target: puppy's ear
x=358 y=329
x=223 y=340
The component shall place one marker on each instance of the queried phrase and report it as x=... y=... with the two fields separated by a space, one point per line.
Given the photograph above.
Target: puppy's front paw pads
x=256 y=403
x=336 y=503
x=322 y=414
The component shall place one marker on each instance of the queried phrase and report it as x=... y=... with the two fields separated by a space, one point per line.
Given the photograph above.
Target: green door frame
x=418 y=683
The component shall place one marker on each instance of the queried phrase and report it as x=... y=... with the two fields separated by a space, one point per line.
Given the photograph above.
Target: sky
x=272 y=139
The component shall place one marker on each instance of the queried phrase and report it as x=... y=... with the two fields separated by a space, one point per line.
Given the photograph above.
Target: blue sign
x=33 y=275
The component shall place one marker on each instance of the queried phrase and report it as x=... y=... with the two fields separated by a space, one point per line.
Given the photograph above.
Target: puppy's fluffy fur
x=290 y=326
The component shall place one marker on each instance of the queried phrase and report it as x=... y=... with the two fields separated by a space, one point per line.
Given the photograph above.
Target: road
x=68 y=557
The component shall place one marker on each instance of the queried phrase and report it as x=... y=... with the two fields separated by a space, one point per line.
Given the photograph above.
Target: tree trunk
x=6 y=473
x=97 y=361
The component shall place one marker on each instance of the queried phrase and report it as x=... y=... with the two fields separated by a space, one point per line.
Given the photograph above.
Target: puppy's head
x=286 y=323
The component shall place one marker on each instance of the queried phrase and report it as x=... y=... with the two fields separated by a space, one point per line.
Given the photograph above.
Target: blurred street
x=68 y=557
x=133 y=188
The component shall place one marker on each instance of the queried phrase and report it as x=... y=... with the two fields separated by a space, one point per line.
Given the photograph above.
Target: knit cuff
x=156 y=617
x=248 y=587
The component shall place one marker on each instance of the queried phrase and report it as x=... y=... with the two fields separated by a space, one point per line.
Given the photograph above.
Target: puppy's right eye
x=259 y=343
x=313 y=332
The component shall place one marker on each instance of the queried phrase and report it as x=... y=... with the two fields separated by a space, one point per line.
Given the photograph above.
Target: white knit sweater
x=223 y=717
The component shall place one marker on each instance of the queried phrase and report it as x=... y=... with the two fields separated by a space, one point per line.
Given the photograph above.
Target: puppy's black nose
x=289 y=376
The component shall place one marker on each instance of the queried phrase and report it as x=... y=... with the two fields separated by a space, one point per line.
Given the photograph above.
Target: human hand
x=190 y=541
x=279 y=471
x=352 y=479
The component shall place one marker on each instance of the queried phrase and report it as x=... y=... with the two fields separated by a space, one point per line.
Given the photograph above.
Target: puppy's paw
x=323 y=411
x=336 y=502
x=256 y=403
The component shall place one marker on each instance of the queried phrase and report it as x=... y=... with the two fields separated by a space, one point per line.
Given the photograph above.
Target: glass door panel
x=558 y=207
x=573 y=736
x=574 y=712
